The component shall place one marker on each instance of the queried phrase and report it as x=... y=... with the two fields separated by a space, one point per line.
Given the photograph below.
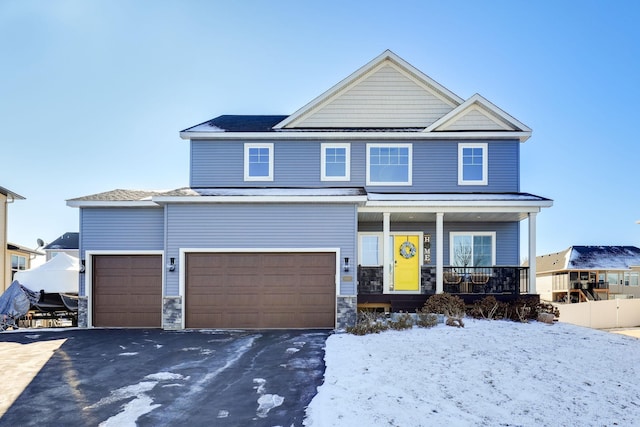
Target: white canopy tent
x=58 y=275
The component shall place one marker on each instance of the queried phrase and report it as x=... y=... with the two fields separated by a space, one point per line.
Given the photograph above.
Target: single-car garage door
x=260 y=290
x=127 y=291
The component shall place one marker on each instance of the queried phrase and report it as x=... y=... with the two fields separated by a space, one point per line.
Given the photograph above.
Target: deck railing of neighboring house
x=513 y=280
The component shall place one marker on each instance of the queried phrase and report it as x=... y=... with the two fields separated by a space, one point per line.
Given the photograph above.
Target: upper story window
x=335 y=162
x=258 y=162
x=389 y=164
x=472 y=164
x=472 y=249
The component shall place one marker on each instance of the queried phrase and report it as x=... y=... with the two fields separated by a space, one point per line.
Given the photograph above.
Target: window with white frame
x=389 y=164
x=370 y=246
x=472 y=249
x=18 y=263
x=336 y=162
x=258 y=162
x=472 y=164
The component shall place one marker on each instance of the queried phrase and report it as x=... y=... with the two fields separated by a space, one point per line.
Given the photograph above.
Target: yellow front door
x=406 y=261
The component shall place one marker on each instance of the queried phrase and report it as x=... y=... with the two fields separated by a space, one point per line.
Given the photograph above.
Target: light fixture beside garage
x=172 y=264
x=81 y=270
x=346 y=264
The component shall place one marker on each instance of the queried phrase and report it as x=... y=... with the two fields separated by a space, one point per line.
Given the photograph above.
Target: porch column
x=439 y=252
x=532 y=252
x=386 y=250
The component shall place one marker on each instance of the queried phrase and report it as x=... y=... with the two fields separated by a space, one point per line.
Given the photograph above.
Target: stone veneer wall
x=83 y=312
x=347 y=311
x=172 y=313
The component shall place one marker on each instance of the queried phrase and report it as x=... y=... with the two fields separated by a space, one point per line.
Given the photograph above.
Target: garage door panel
x=127 y=290
x=260 y=290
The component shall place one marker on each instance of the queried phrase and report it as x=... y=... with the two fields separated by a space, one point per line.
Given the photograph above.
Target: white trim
x=453 y=234
x=409 y=181
x=485 y=163
x=323 y=160
x=88 y=276
x=380 y=256
x=183 y=273
x=488 y=106
x=433 y=207
x=352 y=136
x=111 y=203
x=262 y=199
x=247 y=148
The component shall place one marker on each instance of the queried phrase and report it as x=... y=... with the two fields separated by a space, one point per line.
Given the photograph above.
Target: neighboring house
x=385 y=189
x=68 y=243
x=21 y=258
x=583 y=273
x=6 y=198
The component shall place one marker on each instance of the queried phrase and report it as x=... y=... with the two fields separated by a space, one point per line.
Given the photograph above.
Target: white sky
x=94 y=93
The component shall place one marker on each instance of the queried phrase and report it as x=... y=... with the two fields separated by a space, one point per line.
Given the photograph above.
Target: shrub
x=488 y=308
x=447 y=304
x=369 y=322
x=401 y=321
x=426 y=319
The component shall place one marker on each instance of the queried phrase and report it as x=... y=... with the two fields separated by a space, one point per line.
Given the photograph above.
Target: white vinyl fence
x=615 y=313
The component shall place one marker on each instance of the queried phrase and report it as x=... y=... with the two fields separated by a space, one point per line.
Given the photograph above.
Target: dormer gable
x=387 y=92
x=478 y=114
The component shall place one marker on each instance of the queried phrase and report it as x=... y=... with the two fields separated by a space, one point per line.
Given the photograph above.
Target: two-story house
x=12 y=257
x=388 y=187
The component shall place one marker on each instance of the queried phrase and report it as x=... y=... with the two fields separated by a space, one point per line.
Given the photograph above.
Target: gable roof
x=66 y=241
x=477 y=113
x=590 y=258
x=379 y=79
x=387 y=96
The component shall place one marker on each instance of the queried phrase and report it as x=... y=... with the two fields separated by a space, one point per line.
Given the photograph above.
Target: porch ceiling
x=448 y=217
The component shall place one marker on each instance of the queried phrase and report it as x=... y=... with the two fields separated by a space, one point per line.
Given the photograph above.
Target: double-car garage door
x=260 y=290
x=222 y=290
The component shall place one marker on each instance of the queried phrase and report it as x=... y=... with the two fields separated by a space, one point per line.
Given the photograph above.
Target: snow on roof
x=465 y=197
x=603 y=257
x=278 y=191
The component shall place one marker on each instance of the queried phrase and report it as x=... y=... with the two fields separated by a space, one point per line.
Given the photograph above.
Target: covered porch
x=413 y=246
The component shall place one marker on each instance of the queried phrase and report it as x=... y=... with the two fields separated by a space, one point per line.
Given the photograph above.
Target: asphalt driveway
x=120 y=377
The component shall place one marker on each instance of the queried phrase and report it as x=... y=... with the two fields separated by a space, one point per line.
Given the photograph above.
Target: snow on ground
x=489 y=373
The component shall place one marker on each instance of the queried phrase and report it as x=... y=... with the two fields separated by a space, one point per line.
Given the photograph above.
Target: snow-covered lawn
x=489 y=373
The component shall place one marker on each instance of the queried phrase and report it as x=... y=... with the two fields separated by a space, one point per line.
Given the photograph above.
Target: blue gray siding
x=261 y=226
x=507 y=237
x=120 y=229
x=297 y=164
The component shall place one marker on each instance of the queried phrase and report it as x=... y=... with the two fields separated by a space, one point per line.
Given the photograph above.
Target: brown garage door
x=260 y=290
x=127 y=290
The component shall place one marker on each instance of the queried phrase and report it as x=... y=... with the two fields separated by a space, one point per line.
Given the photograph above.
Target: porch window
x=472 y=164
x=472 y=249
x=370 y=250
x=389 y=164
x=258 y=162
x=336 y=162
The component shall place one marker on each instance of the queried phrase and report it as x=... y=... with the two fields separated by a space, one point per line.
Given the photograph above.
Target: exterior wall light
x=172 y=264
x=81 y=270
x=345 y=267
